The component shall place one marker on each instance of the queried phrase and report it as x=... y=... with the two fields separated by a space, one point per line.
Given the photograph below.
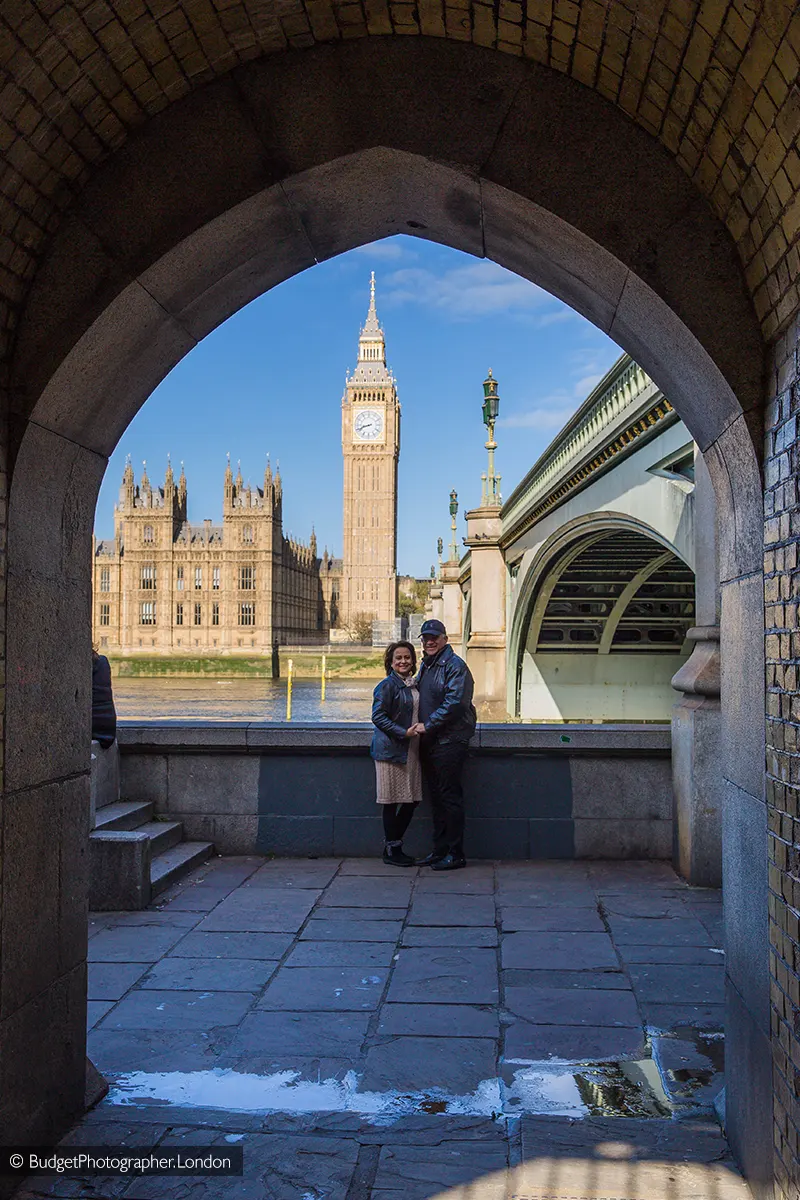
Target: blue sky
x=270 y=380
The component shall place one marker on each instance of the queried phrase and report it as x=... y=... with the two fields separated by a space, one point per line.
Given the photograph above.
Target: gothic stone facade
x=163 y=586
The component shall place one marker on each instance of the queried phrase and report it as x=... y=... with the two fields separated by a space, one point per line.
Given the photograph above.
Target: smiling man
x=446 y=722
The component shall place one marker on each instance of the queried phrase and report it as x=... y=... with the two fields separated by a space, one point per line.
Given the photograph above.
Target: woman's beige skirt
x=401 y=783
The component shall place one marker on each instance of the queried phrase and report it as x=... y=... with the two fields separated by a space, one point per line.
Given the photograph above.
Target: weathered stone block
x=105 y=777
x=119 y=870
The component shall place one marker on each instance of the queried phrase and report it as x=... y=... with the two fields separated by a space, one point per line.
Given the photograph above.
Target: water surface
x=241 y=699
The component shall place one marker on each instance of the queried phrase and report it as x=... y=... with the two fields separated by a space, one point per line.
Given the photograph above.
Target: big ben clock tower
x=371 y=446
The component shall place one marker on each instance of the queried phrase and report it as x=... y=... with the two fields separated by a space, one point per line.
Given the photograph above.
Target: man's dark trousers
x=442 y=766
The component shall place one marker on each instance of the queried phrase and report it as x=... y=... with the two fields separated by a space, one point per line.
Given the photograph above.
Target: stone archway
x=178 y=230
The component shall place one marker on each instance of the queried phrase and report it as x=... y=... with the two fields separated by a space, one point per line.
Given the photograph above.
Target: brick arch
x=286 y=161
x=714 y=83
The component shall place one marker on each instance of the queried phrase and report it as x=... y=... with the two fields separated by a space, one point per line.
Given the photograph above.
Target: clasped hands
x=415 y=730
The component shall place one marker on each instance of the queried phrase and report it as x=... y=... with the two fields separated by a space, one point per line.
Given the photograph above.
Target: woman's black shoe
x=449 y=863
x=429 y=860
x=393 y=856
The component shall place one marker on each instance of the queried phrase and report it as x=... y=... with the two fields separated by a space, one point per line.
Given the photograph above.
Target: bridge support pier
x=696 y=717
x=486 y=649
x=696 y=774
x=453 y=605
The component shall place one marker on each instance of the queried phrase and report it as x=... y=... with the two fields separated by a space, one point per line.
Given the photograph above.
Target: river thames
x=155 y=699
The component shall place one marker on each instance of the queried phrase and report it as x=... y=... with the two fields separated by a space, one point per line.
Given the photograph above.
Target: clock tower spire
x=371 y=447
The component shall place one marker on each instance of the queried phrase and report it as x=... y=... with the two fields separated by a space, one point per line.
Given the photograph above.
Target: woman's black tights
x=396 y=820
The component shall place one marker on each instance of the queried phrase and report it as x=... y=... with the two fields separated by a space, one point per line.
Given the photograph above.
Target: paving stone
x=537 y=1043
x=332 y=989
x=178 y=1010
x=439 y=1020
x=563 y=1157
x=422 y=1064
x=435 y=935
x=110 y=981
x=644 y=931
x=544 y=896
x=663 y=905
x=130 y=944
x=341 y=954
x=97 y=922
x=359 y=914
x=153 y=917
x=257 y=912
x=209 y=974
x=120 y=1135
x=375 y=866
x=456 y=976
x=558 y=951
x=464 y=883
x=266 y=946
x=592 y=1007
x=452 y=910
x=607 y=980
x=294 y=873
x=458 y=1171
x=366 y=892
x=279 y=1167
x=678 y=984
x=198 y=899
x=322 y=930
x=614 y=875
x=552 y=920
x=671 y=1016
x=686 y=955
x=118 y=1051
x=95 y=1010
x=691 y=1066
x=301 y=1033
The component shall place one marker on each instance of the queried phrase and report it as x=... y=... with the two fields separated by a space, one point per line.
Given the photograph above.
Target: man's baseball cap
x=432 y=629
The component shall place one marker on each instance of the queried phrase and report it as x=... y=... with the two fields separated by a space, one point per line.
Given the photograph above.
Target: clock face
x=368 y=424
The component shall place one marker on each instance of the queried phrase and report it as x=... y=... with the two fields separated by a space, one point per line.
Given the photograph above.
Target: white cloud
x=540 y=418
x=554 y=411
x=474 y=290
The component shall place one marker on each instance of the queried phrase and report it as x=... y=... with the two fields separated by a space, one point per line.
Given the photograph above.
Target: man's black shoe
x=449 y=863
x=429 y=860
x=394 y=856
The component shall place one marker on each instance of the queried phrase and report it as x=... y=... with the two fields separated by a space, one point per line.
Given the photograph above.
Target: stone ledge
x=258 y=737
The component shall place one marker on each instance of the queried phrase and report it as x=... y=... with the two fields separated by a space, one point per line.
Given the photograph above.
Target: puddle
x=626 y=1089
x=286 y=1092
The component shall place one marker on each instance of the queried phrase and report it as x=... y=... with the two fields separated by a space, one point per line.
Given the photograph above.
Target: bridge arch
x=178 y=229
x=603 y=584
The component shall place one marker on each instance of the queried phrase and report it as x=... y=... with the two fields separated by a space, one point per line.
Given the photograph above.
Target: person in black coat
x=104 y=715
x=446 y=723
x=395 y=749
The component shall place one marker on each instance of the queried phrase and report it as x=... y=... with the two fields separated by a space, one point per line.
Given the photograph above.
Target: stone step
x=172 y=864
x=163 y=835
x=124 y=814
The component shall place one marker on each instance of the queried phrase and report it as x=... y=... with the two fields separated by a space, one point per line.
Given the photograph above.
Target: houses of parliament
x=165 y=586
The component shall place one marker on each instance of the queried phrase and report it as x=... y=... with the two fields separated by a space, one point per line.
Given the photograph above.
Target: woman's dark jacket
x=104 y=716
x=392 y=714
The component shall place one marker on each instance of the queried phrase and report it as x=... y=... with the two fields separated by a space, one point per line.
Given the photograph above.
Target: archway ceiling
x=715 y=82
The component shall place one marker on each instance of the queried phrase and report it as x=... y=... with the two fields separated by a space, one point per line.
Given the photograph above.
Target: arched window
x=148 y=533
x=247 y=533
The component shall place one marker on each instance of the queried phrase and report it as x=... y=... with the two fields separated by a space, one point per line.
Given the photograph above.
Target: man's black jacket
x=445 y=698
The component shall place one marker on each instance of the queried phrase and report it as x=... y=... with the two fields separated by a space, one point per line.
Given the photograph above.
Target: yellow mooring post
x=289 y=693
x=322 y=697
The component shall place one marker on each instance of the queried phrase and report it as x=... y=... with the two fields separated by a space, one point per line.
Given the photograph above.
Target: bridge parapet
x=625 y=407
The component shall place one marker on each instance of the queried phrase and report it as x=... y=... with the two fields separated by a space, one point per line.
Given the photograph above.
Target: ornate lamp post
x=491 y=408
x=453 y=514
